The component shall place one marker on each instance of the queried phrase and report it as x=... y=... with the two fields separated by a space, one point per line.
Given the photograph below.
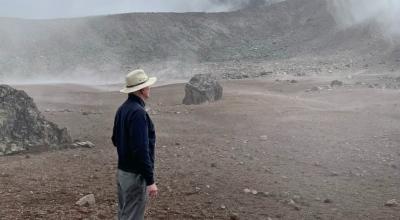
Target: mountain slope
x=106 y=44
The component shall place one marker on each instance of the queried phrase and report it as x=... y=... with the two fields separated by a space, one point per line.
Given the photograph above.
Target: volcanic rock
x=202 y=88
x=23 y=127
x=88 y=200
x=336 y=83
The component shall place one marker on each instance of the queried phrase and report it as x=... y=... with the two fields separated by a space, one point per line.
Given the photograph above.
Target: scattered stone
x=327 y=201
x=292 y=203
x=392 y=203
x=266 y=73
x=268 y=194
x=296 y=198
x=84 y=144
x=314 y=89
x=247 y=190
x=254 y=192
x=333 y=173
x=234 y=216
x=87 y=200
x=202 y=88
x=336 y=83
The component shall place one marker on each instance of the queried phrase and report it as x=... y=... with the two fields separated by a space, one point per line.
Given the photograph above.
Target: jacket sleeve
x=114 y=134
x=139 y=135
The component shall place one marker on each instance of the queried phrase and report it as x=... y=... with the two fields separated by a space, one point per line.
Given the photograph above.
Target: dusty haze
x=352 y=12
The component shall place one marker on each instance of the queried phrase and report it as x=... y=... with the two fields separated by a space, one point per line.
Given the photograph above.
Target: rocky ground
x=279 y=147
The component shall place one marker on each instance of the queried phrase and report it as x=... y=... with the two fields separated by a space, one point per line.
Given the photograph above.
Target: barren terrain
x=331 y=153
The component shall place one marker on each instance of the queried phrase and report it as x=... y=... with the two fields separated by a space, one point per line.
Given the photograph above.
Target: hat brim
x=149 y=82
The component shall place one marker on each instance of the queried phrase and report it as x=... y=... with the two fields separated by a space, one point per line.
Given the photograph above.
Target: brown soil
x=335 y=153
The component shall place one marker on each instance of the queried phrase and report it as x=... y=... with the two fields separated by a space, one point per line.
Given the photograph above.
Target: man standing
x=134 y=137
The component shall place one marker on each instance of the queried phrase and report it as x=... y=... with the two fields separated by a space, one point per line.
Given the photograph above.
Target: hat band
x=137 y=84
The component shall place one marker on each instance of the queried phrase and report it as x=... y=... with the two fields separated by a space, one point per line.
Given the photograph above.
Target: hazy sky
x=78 y=8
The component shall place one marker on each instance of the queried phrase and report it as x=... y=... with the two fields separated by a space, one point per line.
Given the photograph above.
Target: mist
x=348 y=13
x=48 y=9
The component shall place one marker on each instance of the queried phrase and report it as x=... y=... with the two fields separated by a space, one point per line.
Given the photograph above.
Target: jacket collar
x=137 y=99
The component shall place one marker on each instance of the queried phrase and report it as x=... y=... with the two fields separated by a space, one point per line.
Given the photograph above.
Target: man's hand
x=152 y=190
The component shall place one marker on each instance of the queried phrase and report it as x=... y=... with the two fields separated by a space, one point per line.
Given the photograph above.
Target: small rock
x=247 y=190
x=291 y=202
x=327 y=201
x=234 y=216
x=264 y=137
x=87 y=200
x=213 y=165
x=86 y=144
x=336 y=83
x=254 y=192
x=392 y=203
x=315 y=89
x=266 y=194
x=223 y=207
x=334 y=174
x=296 y=198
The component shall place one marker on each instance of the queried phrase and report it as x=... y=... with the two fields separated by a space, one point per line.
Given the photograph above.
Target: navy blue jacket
x=135 y=138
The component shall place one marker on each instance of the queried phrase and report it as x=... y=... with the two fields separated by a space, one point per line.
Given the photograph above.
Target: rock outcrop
x=202 y=88
x=23 y=127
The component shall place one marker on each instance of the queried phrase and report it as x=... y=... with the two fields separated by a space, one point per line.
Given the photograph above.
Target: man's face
x=146 y=92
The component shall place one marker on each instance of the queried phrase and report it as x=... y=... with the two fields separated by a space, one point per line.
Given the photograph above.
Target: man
x=134 y=137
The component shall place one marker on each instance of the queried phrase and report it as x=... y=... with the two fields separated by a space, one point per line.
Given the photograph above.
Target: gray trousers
x=132 y=196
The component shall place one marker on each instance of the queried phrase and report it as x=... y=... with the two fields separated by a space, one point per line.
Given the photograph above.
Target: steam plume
x=352 y=12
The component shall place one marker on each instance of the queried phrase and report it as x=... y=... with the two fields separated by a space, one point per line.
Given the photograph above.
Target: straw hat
x=137 y=80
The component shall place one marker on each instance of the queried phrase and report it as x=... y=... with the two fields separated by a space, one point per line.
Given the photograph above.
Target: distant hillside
x=105 y=44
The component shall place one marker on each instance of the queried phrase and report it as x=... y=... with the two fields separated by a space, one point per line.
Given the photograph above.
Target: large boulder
x=23 y=127
x=202 y=88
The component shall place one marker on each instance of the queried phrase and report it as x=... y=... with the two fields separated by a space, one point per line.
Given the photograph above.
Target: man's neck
x=137 y=95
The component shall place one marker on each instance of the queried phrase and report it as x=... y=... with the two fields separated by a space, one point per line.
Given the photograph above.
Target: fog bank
x=352 y=12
